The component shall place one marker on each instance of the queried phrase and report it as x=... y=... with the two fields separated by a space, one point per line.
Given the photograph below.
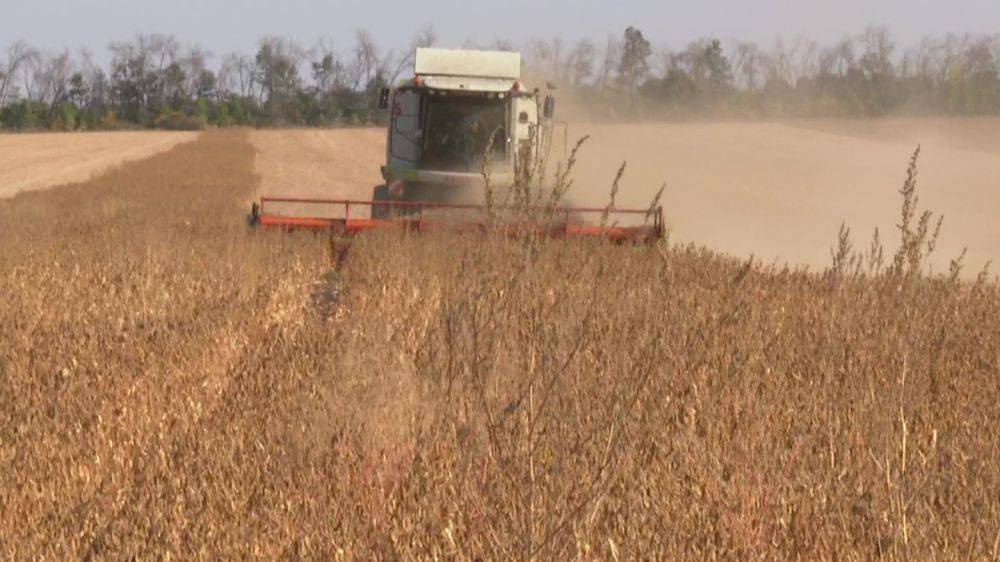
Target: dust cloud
x=780 y=191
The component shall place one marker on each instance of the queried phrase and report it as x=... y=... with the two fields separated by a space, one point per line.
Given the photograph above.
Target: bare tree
x=667 y=60
x=844 y=56
x=927 y=58
x=18 y=54
x=92 y=85
x=276 y=68
x=426 y=36
x=137 y=68
x=193 y=61
x=827 y=62
x=978 y=58
x=748 y=63
x=329 y=73
x=162 y=49
x=550 y=60
x=227 y=77
x=612 y=52
x=878 y=48
x=546 y=58
x=53 y=76
x=366 y=59
x=806 y=60
x=237 y=75
x=778 y=63
x=952 y=48
x=790 y=62
x=32 y=70
x=580 y=64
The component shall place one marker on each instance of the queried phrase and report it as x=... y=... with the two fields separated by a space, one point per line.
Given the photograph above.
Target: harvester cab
x=460 y=109
x=465 y=119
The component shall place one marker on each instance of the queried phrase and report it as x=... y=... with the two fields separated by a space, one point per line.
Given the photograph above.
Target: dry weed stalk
x=613 y=195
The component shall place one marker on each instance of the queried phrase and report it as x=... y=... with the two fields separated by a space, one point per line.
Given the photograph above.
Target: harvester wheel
x=381 y=195
x=253 y=219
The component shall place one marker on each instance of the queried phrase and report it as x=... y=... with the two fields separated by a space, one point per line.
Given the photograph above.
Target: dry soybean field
x=176 y=385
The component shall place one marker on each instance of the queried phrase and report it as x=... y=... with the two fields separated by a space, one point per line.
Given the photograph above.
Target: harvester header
x=349 y=218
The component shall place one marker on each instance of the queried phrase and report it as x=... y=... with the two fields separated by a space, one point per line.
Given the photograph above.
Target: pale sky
x=221 y=26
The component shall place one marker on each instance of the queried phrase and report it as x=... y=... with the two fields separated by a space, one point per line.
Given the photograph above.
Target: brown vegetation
x=174 y=385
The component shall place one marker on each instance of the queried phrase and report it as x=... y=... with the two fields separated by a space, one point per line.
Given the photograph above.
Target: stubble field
x=174 y=385
x=38 y=161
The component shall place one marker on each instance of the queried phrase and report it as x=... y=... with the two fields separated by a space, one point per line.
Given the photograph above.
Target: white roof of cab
x=479 y=64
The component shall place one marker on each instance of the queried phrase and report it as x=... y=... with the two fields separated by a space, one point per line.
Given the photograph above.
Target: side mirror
x=383 y=98
x=549 y=109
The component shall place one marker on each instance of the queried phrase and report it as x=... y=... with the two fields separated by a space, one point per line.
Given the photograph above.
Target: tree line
x=155 y=81
x=862 y=75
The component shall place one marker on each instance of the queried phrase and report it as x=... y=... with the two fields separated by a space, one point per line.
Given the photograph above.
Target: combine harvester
x=459 y=106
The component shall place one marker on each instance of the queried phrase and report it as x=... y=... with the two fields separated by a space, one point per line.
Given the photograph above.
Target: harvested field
x=173 y=385
x=37 y=161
